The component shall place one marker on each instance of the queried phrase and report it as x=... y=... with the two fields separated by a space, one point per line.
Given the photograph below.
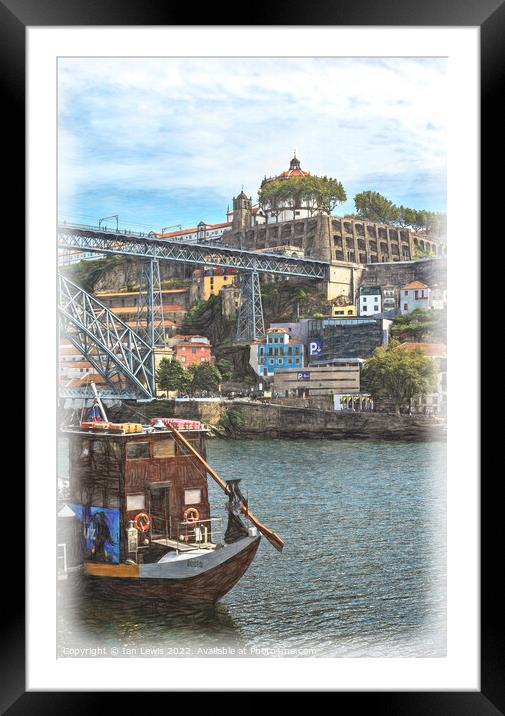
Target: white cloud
x=215 y=124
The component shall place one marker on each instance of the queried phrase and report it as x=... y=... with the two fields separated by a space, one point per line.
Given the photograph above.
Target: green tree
x=420 y=325
x=171 y=375
x=225 y=367
x=205 y=377
x=372 y=206
x=399 y=374
x=323 y=193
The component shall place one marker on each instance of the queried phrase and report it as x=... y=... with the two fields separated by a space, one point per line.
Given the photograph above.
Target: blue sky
x=166 y=141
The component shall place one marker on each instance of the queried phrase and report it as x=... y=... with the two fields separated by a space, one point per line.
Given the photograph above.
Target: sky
x=169 y=141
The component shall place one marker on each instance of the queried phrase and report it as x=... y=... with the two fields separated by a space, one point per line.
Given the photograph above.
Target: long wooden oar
x=271 y=536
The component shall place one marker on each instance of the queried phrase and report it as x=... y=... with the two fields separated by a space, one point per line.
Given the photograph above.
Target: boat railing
x=199 y=534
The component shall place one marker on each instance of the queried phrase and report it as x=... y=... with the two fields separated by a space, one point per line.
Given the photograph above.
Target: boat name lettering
x=195 y=563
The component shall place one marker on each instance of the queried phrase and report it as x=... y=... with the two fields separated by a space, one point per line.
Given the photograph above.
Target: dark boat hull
x=207 y=587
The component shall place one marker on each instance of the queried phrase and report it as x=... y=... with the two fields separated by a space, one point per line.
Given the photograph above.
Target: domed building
x=245 y=214
x=280 y=206
x=294 y=216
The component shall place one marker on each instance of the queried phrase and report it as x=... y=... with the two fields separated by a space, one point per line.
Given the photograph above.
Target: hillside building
x=277 y=351
x=191 y=350
x=333 y=339
x=414 y=295
x=343 y=311
x=306 y=227
x=370 y=301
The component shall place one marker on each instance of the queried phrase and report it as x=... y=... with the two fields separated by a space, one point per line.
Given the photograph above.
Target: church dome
x=294 y=170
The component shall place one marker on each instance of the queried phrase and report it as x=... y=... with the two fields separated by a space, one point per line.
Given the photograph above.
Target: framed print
x=245 y=355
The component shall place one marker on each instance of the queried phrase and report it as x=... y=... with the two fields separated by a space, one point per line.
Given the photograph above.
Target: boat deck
x=184 y=547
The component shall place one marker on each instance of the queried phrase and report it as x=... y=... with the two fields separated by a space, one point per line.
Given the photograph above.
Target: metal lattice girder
x=106 y=393
x=150 y=323
x=250 y=323
x=116 y=352
x=72 y=236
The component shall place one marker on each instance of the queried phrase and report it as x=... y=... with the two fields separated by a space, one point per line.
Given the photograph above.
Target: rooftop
x=438 y=350
x=294 y=170
x=414 y=284
x=120 y=294
x=369 y=291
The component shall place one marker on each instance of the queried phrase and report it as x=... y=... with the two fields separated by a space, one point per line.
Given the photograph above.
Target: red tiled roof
x=293 y=173
x=166 y=323
x=218 y=226
x=414 y=284
x=438 y=350
x=133 y=309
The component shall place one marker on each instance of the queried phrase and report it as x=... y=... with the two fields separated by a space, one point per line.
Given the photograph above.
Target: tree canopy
x=399 y=374
x=324 y=193
x=205 y=378
x=420 y=325
x=372 y=206
x=171 y=376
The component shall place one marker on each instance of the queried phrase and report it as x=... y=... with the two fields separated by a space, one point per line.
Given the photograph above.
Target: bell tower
x=242 y=206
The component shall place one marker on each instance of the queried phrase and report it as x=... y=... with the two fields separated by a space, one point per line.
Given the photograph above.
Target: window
x=376 y=299
x=98 y=447
x=135 y=502
x=164 y=448
x=364 y=299
x=137 y=450
x=405 y=306
x=406 y=293
x=417 y=295
x=192 y=497
x=376 y=308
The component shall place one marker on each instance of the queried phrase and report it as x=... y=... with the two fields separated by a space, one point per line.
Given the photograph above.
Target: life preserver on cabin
x=191 y=515
x=142 y=522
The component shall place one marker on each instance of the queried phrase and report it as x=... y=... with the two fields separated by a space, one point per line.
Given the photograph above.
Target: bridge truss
x=115 y=350
x=120 y=354
x=71 y=236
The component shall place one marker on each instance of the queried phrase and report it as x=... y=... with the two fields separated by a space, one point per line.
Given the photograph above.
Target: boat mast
x=98 y=401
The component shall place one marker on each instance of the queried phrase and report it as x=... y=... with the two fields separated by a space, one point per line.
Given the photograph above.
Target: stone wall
x=127 y=273
x=428 y=271
x=331 y=238
x=273 y=420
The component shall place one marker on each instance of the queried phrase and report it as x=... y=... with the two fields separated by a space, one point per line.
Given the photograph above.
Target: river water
x=362 y=573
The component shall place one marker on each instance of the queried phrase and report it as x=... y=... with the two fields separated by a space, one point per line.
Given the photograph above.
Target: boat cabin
x=136 y=495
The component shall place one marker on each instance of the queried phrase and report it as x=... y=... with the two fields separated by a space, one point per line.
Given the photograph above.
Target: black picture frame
x=489 y=15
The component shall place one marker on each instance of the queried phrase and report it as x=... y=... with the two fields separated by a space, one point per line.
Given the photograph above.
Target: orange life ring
x=191 y=515
x=142 y=522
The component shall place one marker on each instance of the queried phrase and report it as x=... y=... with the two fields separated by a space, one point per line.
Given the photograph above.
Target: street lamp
x=113 y=216
x=174 y=226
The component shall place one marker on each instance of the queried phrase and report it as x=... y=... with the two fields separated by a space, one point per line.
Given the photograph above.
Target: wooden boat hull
x=208 y=584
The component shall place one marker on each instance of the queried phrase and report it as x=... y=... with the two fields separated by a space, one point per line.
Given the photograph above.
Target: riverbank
x=240 y=419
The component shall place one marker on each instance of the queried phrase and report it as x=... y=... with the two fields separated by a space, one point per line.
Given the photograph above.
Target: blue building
x=278 y=350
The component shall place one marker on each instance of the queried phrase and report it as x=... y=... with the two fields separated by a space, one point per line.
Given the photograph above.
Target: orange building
x=192 y=350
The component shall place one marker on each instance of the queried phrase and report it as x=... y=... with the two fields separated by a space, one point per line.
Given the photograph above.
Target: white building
x=438 y=298
x=370 y=301
x=414 y=295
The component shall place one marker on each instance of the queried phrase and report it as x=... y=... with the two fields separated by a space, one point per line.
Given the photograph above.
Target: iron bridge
x=143 y=246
